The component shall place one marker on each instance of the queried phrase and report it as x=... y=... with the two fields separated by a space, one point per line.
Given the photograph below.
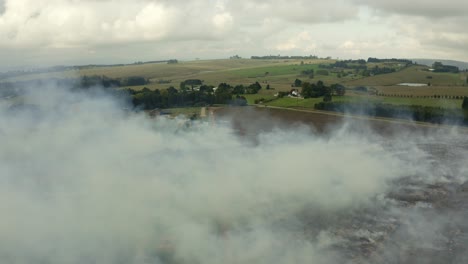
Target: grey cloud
x=2 y=7
x=309 y=12
x=429 y=9
x=447 y=36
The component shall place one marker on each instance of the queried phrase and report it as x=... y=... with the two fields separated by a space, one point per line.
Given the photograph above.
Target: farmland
x=442 y=89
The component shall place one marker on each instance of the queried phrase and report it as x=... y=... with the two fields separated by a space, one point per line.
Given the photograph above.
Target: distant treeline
x=439 y=67
x=278 y=57
x=412 y=112
x=403 y=61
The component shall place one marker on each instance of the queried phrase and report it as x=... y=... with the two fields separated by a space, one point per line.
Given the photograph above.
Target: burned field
x=419 y=218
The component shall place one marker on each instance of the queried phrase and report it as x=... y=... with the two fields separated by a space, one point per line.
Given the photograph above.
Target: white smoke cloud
x=83 y=181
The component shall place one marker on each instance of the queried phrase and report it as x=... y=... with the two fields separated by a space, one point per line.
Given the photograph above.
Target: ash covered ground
x=84 y=181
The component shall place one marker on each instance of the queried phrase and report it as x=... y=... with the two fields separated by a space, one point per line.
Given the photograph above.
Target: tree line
x=439 y=67
x=319 y=89
x=279 y=57
x=202 y=95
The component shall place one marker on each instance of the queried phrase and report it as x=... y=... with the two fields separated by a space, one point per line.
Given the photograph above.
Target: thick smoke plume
x=83 y=180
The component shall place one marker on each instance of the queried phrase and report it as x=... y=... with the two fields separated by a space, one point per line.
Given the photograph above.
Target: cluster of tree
x=250 y=89
x=439 y=67
x=95 y=80
x=172 y=61
x=308 y=72
x=359 y=67
x=297 y=83
x=322 y=72
x=380 y=70
x=190 y=83
x=170 y=97
x=413 y=112
x=134 y=81
x=193 y=82
x=205 y=95
x=315 y=90
x=393 y=60
x=465 y=103
x=279 y=57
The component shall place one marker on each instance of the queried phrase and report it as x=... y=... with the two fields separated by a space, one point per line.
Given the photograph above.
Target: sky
x=37 y=33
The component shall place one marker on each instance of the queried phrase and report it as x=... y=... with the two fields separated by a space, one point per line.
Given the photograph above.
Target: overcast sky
x=51 y=32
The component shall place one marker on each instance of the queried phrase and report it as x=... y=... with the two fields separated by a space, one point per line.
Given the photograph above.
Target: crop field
x=413 y=74
x=294 y=69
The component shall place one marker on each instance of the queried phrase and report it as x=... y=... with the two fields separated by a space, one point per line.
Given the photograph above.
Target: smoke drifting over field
x=84 y=181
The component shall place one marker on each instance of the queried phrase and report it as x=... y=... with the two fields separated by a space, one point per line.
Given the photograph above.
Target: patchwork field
x=280 y=74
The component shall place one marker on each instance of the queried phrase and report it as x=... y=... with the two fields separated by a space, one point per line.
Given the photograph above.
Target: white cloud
x=222 y=21
x=423 y=8
x=302 y=42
